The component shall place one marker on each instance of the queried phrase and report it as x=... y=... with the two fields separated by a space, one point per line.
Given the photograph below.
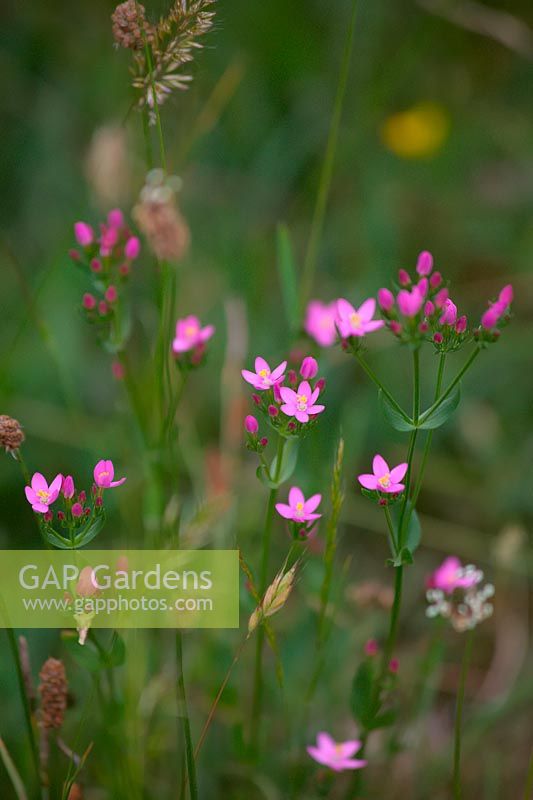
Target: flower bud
x=441 y=297
x=506 y=295
x=371 y=647
x=77 y=510
x=449 y=316
x=103 y=308
x=68 y=487
x=84 y=234
x=435 y=280
x=96 y=265
x=256 y=399
x=308 y=368
x=396 y=328
x=273 y=411
x=115 y=218
x=320 y=384
x=89 y=301
x=429 y=309
x=424 y=265
x=394 y=665
x=263 y=442
x=403 y=278
x=437 y=338
x=74 y=254
x=292 y=377
x=461 y=325
x=132 y=248
x=251 y=424
x=423 y=285
x=385 y=299
x=111 y=294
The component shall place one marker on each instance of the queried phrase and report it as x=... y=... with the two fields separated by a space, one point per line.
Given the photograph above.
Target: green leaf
x=363 y=703
x=56 y=540
x=262 y=475
x=288 y=278
x=392 y=415
x=288 y=463
x=443 y=412
x=414 y=531
x=117 y=655
x=91 y=530
x=384 y=720
x=85 y=655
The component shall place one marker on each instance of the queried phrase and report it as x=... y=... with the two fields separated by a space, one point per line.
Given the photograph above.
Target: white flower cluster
x=465 y=607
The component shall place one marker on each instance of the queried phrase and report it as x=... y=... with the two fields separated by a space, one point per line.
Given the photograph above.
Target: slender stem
x=404 y=519
x=457 y=792
x=373 y=377
x=25 y=703
x=182 y=698
x=317 y=225
x=429 y=437
x=257 y=701
x=431 y=410
x=392 y=538
x=155 y=105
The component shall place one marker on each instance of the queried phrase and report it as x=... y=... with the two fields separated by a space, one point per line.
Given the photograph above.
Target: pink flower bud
x=256 y=399
x=435 y=280
x=441 y=297
x=394 y=665
x=264 y=441
x=60 y=516
x=124 y=270
x=132 y=248
x=429 y=309
x=461 y=325
x=74 y=254
x=403 y=278
x=320 y=384
x=251 y=424
x=449 y=317
x=117 y=368
x=99 y=502
x=292 y=377
x=424 y=265
x=371 y=647
x=111 y=294
x=437 y=338
x=291 y=426
x=77 y=510
x=96 y=265
x=115 y=218
x=89 y=301
x=308 y=368
x=277 y=394
x=48 y=517
x=396 y=328
x=84 y=234
x=423 y=327
x=423 y=285
x=506 y=295
x=273 y=411
x=103 y=308
x=385 y=299
x=68 y=487
x=82 y=496
x=491 y=316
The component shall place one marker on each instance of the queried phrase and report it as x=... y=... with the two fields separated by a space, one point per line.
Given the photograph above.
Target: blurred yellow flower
x=418 y=132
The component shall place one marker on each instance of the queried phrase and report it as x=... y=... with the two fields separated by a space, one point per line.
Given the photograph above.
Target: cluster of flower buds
x=254 y=442
x=300 y=513
x=495 y=317
x=422 y=309
x=290 y=409
x=189 y=344
x=454 y=592
x=107 y=258
x=79 y=520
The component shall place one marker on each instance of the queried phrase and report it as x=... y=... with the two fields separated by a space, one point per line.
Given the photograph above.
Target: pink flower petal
x=287 y=395
x=367 y=309
x=368 y=481
x=288 y=409
x=261 y=364
x=30 y=495
x=206 y=333
x=312 y=503
x=296 y=496
x=397 y=473
x=380 y=466
x=278 y=372
x=284 y=510
x=316 y=409
x=38 y=483
x=250 y=377
x=301 y=416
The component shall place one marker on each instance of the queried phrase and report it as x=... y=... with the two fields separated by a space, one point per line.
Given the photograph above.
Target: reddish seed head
x=403 y=278
x=89 y=301
x=273 y=411
x=96 y=265
x=111 y=294
x=251 y=425
x=86 y=511
x=435 y=280
x=437 y=338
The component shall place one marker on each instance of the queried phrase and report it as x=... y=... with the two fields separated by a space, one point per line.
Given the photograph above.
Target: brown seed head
x=53 y=691
x=76 y=792
x=129 y=25
x=11 y=434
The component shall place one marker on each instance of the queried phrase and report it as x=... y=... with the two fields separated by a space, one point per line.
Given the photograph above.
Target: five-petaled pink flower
x=190 y=334
x=336 y=755
x=300 y=404
x=299 y=509
x=357 y=321
x=320 y=322
x=384 y=479
x=40 y=495
x=104 y=472
x=264 y=378
x=452 y=575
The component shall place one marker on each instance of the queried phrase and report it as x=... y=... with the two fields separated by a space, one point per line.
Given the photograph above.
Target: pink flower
x=357 y=322
x=108 y=239
x=461 y=325
x=67 y=487
x=435 y=280
x=264 y=378
x=77 y=510
x=308 y=368
x=84 y=234
x=496 y=310
x=394 y=665
x=336 y=756
x=132 y=248
x=424 y=265
x=423 y=286
x=189 y=334
x=111 y=294
x=429 y=309
x=300 y=404
x=320 y=322
x=385 y=299
x=411 y=302
x=449 y=315
x=506 y=295
x=299 y=509
x=251 y=424
x=371 y=648
x=384 y=479
x=89 y=301
x=403 y=277
x=40 y=495
x=441 y=297
x=115 y=218
x=104 y=472
x=452 y=575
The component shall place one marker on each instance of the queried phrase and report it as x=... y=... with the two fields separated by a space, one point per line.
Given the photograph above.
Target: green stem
x=431 y=410
x=404 y=520
x=182 y=699
x=150 y=65
x=429 y=437
x=25 y=703
x=392 y=538
x=317 y=225
x=457 y=792
x=257 y=702
x=373 y=377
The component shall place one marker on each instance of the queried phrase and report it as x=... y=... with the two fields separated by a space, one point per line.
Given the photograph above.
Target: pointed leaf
x=443 y=412
x=288 y=463
x=392 y=415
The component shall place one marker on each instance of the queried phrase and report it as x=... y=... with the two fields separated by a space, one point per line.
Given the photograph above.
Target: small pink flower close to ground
x=320 y=322
x=299 y=509
x=300 y=404
x=264 y=378
x=357 y=322
x=40 y=495
x=336 y=755
x=451 y=576
x=384 y=479
x=104 y=472
x=190 y=334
